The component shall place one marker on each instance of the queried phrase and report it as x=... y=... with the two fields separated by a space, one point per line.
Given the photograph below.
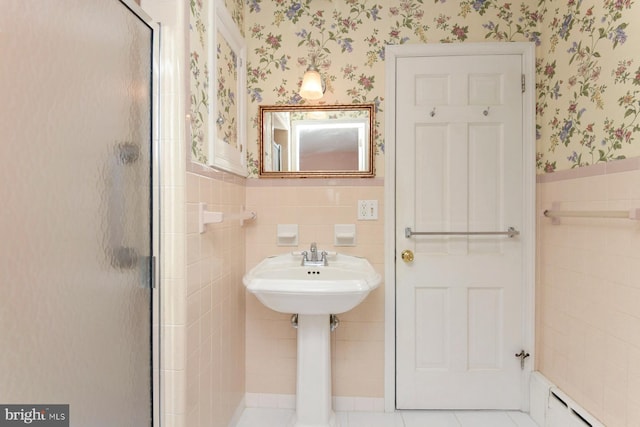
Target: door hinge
x=153 y=267
x=523 y=82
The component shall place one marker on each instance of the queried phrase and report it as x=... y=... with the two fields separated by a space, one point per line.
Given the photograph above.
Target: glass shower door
x=75 y=210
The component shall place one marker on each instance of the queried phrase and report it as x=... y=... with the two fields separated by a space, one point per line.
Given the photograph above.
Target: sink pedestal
x=283 y=284
x=313 y=384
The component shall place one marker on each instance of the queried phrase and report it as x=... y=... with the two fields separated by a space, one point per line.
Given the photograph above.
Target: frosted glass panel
x=75 y=209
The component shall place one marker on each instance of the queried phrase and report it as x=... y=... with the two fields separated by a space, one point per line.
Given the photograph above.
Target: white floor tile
x=268 y=417
x=484 y=419
x=429 y=418
x=374 y=419
x=521 y=419
x=343 y=419
x=265 y=417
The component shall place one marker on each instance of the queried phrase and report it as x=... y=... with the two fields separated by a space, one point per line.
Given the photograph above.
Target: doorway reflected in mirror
x=316 y=141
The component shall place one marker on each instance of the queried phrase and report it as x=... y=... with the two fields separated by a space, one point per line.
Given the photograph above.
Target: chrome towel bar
x=555 y=213
x=511 y=232
x=627 y=214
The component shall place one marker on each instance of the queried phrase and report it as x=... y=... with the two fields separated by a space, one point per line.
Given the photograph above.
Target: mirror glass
x=322 y=141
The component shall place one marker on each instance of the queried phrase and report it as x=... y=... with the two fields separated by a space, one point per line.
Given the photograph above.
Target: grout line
x=457 y=419
x=515 y=422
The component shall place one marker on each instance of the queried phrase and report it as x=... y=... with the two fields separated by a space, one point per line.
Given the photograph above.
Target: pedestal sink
x=313 y=293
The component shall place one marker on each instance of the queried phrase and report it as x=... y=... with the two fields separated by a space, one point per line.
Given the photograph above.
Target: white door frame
x=527 y=51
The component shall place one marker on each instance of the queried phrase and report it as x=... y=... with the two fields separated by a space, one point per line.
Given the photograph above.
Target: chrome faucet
x=311 y=257
x=314 y=252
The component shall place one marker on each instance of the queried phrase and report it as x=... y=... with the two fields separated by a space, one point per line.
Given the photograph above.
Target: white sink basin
x=313 y=293
x=283 y=285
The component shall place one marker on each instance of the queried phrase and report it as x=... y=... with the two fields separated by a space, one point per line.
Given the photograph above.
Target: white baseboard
x=358 y=404
x=539 y=387
x=235 y=419
x=340 y=403
x=551 y=407
x=270 y=400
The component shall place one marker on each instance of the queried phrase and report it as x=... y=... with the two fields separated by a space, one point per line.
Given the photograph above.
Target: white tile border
x=616 y=166
x=315 y=182
x=358 y=404
x=237 y=414
x=270 y=400
x=340 y=403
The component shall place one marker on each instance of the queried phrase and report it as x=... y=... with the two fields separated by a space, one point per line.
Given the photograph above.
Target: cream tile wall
x=215 y=302
x=215 y=260
x=588 y=294
x=358 y=344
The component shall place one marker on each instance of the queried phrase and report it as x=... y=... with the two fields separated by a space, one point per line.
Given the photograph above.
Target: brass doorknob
x=407 y=255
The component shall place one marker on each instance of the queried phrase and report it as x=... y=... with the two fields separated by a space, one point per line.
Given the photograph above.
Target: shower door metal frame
x=155 y=226
x=83 y=80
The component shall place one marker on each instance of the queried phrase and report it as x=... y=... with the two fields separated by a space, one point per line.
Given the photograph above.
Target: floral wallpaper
x=347 y=39
x=588 y=74
x=227 y=76
x=199 y=82
x=200 y=77
x=588 y=83
x=236 y=9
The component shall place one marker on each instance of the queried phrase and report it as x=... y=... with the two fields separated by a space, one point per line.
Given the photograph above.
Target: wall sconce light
x=312 y=86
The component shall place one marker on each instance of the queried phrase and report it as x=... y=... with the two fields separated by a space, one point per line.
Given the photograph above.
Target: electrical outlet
x=367 y=210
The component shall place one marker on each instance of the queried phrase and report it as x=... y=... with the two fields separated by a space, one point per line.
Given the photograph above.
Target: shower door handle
x=120 y=253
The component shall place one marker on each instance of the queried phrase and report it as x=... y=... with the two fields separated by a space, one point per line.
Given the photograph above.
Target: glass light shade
x=311 y=87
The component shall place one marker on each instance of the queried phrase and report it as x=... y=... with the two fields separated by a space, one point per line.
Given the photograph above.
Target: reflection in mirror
x=316 y=141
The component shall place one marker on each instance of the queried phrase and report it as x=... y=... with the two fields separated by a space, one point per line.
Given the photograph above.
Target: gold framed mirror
x=316 y=141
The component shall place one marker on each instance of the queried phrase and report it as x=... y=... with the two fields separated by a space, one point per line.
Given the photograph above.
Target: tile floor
x=266 y=417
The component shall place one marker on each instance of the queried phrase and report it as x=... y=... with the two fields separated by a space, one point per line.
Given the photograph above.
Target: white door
x=459 y=151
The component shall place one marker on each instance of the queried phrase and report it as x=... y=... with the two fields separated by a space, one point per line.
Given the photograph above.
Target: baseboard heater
x=563 y=412
x=551 y=407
